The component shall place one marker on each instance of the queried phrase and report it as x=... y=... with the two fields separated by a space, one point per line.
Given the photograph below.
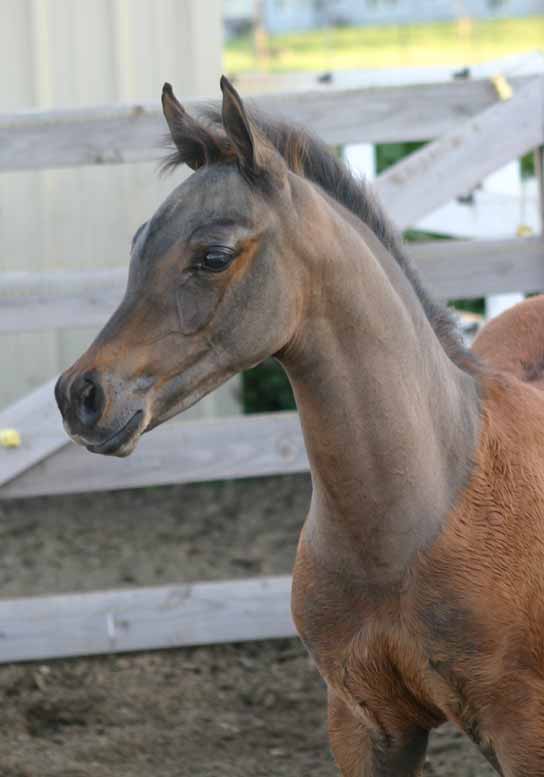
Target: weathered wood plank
x=56 y=283
x=33 y=628
x=118 y=134
x=32 y=314
x=31 y=301
x=38 y=421
x=186 y=452
x=435 y=174
x=454 y=269
x=451 y=268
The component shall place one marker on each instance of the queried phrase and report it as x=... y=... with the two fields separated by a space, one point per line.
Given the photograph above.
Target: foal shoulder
x=483 y=579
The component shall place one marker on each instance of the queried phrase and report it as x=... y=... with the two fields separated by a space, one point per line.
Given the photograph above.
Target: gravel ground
x=252 y=710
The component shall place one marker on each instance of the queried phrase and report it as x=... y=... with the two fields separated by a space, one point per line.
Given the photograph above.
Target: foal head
x=210 y=289
x=227 y=270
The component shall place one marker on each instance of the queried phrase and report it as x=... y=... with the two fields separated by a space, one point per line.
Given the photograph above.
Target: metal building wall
x=68 y=53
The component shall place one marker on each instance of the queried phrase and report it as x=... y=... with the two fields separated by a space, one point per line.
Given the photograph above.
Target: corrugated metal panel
x=59 y=53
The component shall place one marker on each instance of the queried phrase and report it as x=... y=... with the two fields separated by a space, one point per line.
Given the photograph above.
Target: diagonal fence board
x=452 y=269
x=38 y=421
x=133 y=133
x=38 y=628
x=459 y=160
x=178 y=452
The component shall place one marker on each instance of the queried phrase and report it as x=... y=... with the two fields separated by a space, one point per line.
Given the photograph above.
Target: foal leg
x=360 y=752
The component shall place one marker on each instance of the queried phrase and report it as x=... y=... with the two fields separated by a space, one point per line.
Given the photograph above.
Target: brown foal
x=418 y=584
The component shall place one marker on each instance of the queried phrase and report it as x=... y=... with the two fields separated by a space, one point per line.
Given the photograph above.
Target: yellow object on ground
x=10 y=438
x=503 y=88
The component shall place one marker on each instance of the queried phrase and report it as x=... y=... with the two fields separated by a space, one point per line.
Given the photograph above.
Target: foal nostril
x=88 y=399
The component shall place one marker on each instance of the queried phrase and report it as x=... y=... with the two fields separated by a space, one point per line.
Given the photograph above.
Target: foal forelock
x=309 y=157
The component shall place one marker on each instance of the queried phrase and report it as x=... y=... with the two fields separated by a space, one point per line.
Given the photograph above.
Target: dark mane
x=309 y=157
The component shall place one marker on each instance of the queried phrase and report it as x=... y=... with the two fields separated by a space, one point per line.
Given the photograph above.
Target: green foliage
x=470 y=305
x=528 y=165
x=388 y=154
x=266 y=389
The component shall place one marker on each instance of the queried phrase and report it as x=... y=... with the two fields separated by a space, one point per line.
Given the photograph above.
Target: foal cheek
x=196 y=301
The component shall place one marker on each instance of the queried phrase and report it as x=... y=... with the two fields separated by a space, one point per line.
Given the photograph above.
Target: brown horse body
x=514 y=341
x=461 y=637
x=420 y=571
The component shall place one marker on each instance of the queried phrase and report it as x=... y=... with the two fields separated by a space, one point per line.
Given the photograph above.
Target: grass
x=445 y=43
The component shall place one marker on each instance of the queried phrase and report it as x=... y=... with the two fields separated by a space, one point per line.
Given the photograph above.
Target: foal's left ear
x=240 y=132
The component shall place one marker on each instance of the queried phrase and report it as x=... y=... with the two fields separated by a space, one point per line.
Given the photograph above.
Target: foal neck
x=390 y=423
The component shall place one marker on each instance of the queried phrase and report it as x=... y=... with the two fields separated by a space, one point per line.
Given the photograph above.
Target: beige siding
x=67 y=53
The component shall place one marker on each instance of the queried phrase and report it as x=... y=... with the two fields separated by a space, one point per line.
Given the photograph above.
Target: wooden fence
x=473 y=132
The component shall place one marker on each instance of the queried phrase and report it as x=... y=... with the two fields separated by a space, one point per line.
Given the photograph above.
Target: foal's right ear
x=257 y=158
x=252 y=153
x=196 y=144
x=237 y=126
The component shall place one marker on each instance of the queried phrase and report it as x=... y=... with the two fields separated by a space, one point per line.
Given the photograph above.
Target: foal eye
x=217 y=258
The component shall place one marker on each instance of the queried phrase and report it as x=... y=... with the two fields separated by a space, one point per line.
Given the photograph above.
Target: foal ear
x=196 y=144
x=239 y=130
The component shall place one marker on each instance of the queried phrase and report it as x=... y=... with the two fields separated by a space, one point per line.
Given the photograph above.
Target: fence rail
x=34 y=628
x=177 y=452
x=450 y=268
x=132 y=133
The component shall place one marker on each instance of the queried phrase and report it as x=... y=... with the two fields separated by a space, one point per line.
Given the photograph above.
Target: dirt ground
x=252 y=710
